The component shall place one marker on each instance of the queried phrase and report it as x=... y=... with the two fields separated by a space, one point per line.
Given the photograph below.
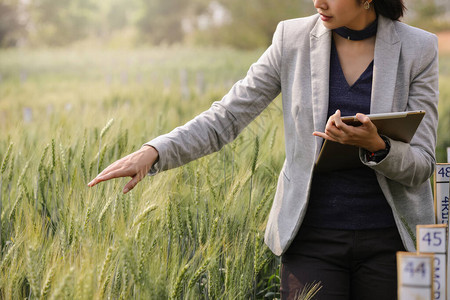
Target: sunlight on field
x=195 y=232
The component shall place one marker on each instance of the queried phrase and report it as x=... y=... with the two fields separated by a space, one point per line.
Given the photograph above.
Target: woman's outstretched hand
x=365 y=136
x=135 y=165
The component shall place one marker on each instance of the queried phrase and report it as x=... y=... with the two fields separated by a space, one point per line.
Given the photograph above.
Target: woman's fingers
x=324 y=136
x=336 y=130
x=111 y=170
x=111 y=174
x=364 y=136
x=132 y=183
x=366 y=122
x=337 y=119
x=135 y=165
x=112 y=167
x=331 y=121
x=331 y=131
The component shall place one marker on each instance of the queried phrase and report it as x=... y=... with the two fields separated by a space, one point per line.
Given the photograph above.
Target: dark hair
x=392 y=9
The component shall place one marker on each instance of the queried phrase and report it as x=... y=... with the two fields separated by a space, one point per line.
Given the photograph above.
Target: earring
x=366 y=5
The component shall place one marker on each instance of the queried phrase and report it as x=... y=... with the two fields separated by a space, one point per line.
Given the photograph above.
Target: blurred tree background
x=166 y=22
x=149 y=22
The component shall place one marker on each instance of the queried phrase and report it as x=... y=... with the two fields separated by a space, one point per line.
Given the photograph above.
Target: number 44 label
x=415 y=269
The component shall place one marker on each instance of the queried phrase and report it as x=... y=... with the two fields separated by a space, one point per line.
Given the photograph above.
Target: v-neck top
x=348 y=199
x=348 y=99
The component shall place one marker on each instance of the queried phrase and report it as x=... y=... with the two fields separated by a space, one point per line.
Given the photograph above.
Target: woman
x=340 y=228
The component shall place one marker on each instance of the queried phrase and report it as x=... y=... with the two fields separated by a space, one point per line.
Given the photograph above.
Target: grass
x=193 y=232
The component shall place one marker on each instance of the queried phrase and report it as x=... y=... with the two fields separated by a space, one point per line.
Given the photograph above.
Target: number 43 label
x=431 y=238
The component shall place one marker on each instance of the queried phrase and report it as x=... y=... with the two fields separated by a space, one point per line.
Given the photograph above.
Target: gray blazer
x=405 y=77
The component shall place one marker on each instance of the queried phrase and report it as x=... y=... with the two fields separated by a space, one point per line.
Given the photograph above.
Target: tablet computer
x=399 y=126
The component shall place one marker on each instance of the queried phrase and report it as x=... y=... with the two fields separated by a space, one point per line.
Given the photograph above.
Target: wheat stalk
x=105 y=286
x=106 y=128
x=189 y=223
x=64 y=282
x=6 y=159
x=63 y=158
x=106 y=263
x=7 y=256
x=272 y=139
x=22 y=174
x=102 y=134
x=143 y=214
x=176 y=292
x=105 y=208
x=263 y=202
x=87 y=218
x=117 y=284
x=14 y=207
x=48 y=282
x=33 y=276
x=309 y=291
x=83 y=159
x=253 y=169
x=53 y=165
x=2 y=170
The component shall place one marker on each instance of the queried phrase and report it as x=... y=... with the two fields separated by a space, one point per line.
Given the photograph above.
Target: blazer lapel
x=320 y=39
x=386 y=57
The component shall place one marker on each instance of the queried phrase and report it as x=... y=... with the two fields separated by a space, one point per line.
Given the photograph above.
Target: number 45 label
x=431 y=238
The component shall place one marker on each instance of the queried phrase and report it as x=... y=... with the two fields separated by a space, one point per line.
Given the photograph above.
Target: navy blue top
x=348 y=199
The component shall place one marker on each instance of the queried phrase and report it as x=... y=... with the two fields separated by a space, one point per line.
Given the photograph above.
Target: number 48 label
x=443 y=172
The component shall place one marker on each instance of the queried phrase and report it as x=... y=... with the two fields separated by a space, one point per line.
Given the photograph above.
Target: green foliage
x=61 y=22
x=429 y=15
x=160 y=21
x=11 y=27
x=134 y=22
x=128 y=23
x=251 y=26
x=443 y=134
x=189 y=233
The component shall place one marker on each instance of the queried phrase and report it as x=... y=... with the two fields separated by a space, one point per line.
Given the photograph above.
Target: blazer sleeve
x=225 y=119
x=412 y=164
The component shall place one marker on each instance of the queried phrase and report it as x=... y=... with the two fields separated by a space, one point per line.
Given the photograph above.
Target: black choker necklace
x=358 y=35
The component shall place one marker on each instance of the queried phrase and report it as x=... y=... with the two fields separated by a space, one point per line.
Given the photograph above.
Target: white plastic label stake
x=416 y=271
x=441 y=192
x=439 y=280
x=432 y=238
x=415 y=275
x=412 y=292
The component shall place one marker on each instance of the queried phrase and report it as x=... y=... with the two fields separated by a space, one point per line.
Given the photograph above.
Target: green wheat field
x=195 y=232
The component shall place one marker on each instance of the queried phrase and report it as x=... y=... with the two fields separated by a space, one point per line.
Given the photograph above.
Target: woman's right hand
x=365 y=136
x=135 y=165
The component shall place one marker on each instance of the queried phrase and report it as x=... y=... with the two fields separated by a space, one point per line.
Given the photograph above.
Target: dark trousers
x=349 y=264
